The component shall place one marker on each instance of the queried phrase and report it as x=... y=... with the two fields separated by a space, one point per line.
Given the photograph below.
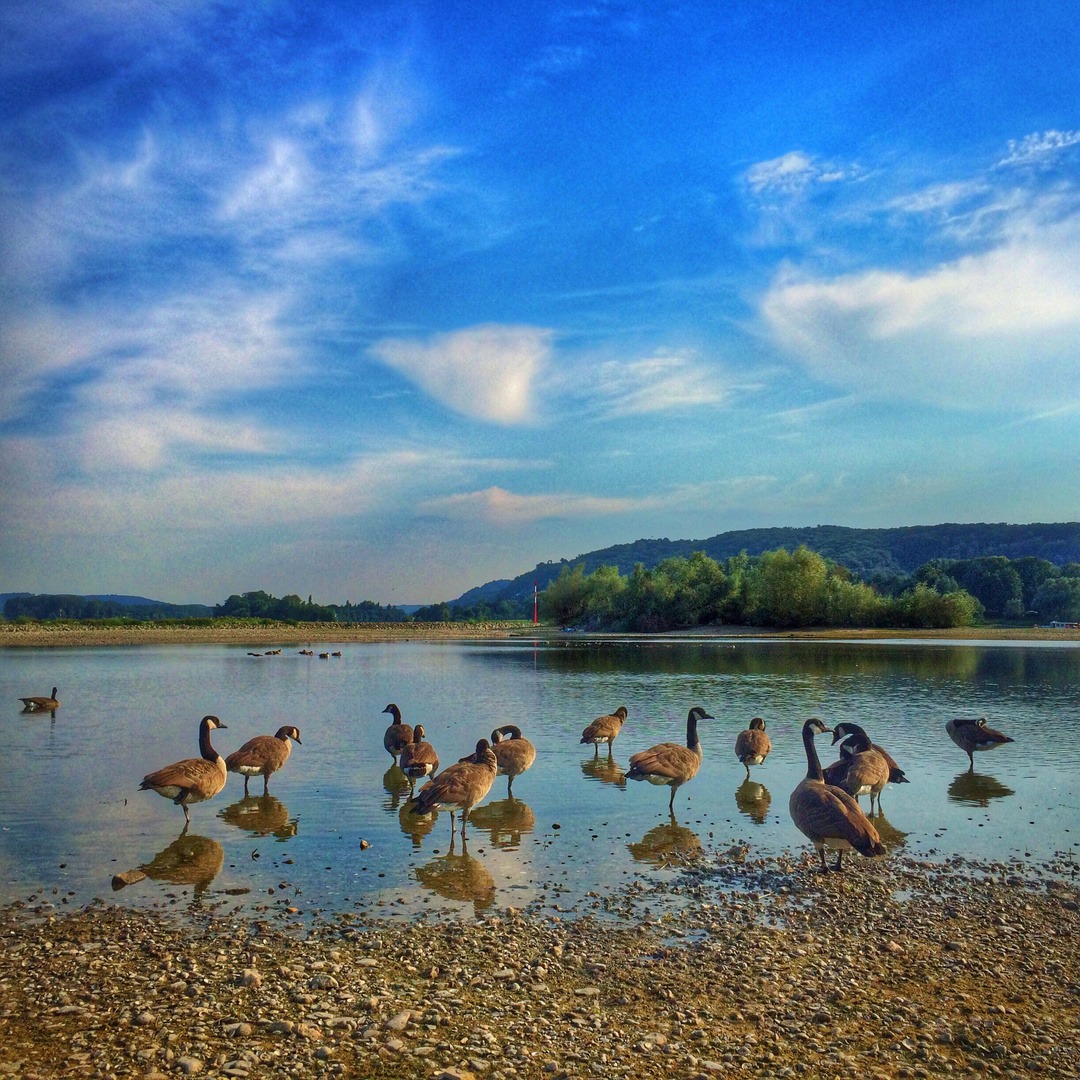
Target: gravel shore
x=897 y=968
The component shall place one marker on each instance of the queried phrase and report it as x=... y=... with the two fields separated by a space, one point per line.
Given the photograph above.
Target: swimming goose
x=460 y=786
x=40 y=704
x=971 y=735
x=605 y=729
x=192 y=780
x=515 y=754
x=398 y=735
x=752 y=746
x=419 y=759
x=263 y=755
x=863 y=771
x=828 y=815
x=847 y=748
x=669 y=763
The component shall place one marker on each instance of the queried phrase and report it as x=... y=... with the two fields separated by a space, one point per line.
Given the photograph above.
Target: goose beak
x=836 y=736
x=224 y=727
x=296 y=739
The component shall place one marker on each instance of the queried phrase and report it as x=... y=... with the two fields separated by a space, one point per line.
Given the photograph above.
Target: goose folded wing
x=189 y=773
x=833 y=814
x=667 y=759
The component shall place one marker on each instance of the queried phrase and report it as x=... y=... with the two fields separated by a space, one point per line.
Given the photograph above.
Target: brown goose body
x=752 y=746
x=398 y=735
x=972 y=735
x=192 y=780
x=828 y=815
x=263 y=755
x=669 y=763
x=40 y=704
x=515 y=754
x=605 y=729
x=851 y=734
x=861 y=770
x=419 y=759
x=459 y=786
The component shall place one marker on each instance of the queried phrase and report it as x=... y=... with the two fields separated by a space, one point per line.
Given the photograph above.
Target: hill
x=889 y=552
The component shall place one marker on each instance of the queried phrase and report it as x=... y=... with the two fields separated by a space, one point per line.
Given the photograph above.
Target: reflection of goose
x=416 y=827
x=397 y=784
x=515 y=754
x=971 y=735
x=506 y=821
x=263 y=755
x=460 y=786
x=188 y=860
x=606 y=770
x=669 y=763
x=260 y=815
x=828 y=815
x=192 y=780
x=753 y=800
x=459 y=877
x=397 y=735
x=752 y=746
x=975 y=789
x=605 y=729
x=891 y=836
x=664 y=844
x=41 y=704
x=862 y=772
x=419 y=759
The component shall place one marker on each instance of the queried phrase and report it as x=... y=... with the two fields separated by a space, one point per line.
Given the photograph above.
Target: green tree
x=1058 y=599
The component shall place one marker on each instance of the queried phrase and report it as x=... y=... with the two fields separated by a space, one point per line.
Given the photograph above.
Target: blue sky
x=382 y=301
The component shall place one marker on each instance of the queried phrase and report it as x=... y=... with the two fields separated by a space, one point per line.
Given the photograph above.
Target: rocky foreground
x=737 y=969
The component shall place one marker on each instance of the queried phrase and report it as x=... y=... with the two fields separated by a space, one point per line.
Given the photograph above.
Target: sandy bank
x=763 y=973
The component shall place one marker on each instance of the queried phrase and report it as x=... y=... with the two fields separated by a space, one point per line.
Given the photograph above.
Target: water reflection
x=506 y=820
x=891 y=836
x=975 y=789
x=753 y=800
x=397 y=786
x=416 y=826
x=188 y=860
x=261 y=815
x=459 y=877
x=606 y=770
x=664 y=844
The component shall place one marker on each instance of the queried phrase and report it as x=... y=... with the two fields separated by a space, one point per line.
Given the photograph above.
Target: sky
x=386 y=300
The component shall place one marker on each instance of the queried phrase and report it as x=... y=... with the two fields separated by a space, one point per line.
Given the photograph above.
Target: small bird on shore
x=605 y=729
x=398 y=735
x=514 y=753
x=828 y=815
x=263 y=755
x=459 y=786
x=752 y=746
x=669 y=763
x=971 y=735
x=40 y=704
x=192 y=780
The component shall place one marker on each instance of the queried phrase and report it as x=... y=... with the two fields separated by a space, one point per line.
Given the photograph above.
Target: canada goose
x=971 y=735
x=752 y=746
x=605 y=729
x=335 y=654
x=40 y=704
x=263 y=755
x=419 y=759
x=669 y=763
x=828 y=815
x=845 y=731
x=863 y=771
x=397 y=735
x=460 y=786
x=326 y=656
x=192 y=780
x=515 y=754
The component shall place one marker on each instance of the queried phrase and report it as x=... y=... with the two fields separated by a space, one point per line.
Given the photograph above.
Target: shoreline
x=29 y=635
x=889 y=970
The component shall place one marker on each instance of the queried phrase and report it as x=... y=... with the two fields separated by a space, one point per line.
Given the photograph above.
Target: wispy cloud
x=485 y=372
x=656 y=384
x=793 y=173
x=1039 y=148
x=506 y=508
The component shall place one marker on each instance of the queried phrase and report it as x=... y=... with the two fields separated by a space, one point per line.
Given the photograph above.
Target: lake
x=72 y=815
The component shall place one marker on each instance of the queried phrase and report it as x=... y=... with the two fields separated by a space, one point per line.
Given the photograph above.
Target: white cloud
x=1039 y=147
x=996 y=329
x=660 y=383
x=486 y=372
x=505 y=508
x=793 y=173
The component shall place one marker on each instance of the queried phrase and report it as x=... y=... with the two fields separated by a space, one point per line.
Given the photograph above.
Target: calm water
x=72 y=815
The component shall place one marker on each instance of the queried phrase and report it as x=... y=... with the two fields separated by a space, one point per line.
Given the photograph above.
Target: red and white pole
x=535 y=620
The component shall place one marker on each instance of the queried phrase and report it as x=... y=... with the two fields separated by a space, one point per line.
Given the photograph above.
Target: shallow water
x=72 y=815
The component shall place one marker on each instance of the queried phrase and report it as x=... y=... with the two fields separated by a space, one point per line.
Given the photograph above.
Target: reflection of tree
x=260 y=815
x=891 y=836
x=664 y=844
x=416 y=825
x=606 y=770
x=505 y=820
x=975 y=789
x=753 y=800
x=397 y=785
x=459 y=877
x=188 y=860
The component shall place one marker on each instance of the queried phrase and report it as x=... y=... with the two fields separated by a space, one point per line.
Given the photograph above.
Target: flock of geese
x=824 y=806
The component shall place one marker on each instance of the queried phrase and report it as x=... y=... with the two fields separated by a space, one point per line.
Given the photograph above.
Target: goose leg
x=596 y=749
x=671 y=803
x=971 y=758
x=839 y=856
x=246 y=778
x=266 y=783
x=747 y=770
x=510 y=787
x=824 y=864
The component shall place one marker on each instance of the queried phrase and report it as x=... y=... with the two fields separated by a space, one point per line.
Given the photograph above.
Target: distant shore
x=32 y=635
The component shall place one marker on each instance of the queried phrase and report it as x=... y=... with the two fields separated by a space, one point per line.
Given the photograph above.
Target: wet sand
x=896 y=968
